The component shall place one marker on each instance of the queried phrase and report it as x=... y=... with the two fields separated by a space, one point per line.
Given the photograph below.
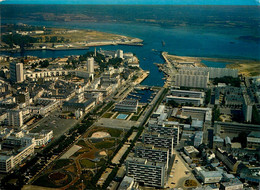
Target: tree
x=242 y=138
x=44 y=64
x=255 y=116
x=208 y=96
x=216 y=114
x=173 y=103
x=227 y=80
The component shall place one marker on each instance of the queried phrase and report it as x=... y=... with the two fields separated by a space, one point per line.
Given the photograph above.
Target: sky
x=146 y=2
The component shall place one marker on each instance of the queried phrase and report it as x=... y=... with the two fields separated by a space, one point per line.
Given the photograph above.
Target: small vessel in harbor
x=163 y=43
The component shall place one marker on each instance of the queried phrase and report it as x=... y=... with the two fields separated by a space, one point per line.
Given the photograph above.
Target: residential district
x=85 y=122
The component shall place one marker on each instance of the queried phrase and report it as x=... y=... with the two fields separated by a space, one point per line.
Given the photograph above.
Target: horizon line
x=1 y=3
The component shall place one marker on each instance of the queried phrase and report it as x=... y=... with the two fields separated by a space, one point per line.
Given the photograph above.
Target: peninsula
x=245 y=67
x=25 y=37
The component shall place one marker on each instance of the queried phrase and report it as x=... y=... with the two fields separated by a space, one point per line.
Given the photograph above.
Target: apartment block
x=186 y=93
x=215 y=72
x=11 y=158
x=15 y=118
x=185 y=100
x=192 y=78
x=166 y=129
x=147 y=173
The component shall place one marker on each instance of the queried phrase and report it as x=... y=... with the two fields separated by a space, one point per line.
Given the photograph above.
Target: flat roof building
x=208 y=175
x=233 y=184
x=11 y=158
x=198 y=138
x=232 y=127
x=166 y=130
x=215 y=72
x=185 y=100
x=191 y=78
x=186 y=93
x=127 y=106
x=253 y=139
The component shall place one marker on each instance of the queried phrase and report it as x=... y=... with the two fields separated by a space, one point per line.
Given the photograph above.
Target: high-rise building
x=192 y=78
x=90 y=64
x=15 y=118
x=120 y=54
x=16 y=72
x=146 y=172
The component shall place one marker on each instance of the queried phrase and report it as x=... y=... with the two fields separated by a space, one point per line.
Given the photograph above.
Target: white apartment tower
x=16 y=72
x=120 y=54
x=15 y=118
x=90 y=64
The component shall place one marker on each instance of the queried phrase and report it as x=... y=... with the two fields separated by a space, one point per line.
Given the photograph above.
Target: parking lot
x=116 y=123
x=180 y=173
x=55 y=123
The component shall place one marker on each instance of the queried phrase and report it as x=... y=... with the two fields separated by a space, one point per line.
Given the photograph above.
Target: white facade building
x=215 y=72
x=192 y=78
x=120 y=54
x=9 y=160
x=90 y=64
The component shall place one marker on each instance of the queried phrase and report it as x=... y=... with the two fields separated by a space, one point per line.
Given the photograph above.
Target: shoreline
x=141 y=78
x=246 y=67
x=71 y=48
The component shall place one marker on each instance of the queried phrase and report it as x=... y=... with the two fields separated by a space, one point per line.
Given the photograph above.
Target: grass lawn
x=60 y=163
x=114 y=132
x=82 y=143
x=44 y=181
x=105 y=144
x=86 y=163
x=134 y=118
x=107 y=115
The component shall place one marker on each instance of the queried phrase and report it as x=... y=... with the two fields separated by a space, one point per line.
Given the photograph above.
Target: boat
x=163 y=43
